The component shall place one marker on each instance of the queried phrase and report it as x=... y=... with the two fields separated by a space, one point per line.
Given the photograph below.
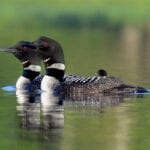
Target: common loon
x=50 y=52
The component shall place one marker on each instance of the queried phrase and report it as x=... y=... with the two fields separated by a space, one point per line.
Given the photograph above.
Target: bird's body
x=93 y=84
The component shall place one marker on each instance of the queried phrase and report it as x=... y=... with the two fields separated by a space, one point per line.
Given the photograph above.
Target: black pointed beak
x=9 y=50
x=14 y=49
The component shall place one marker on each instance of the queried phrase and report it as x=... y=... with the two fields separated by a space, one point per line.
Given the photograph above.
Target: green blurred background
x=28 y=19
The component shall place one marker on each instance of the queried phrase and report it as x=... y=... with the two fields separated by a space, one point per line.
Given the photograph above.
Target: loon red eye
x=24 y=48
x=45 y=44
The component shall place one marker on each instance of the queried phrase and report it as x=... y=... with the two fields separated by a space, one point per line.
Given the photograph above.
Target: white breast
x=49 y=83
x=22 y=82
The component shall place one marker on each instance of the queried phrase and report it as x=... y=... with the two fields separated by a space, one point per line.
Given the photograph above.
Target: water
x=115 y=123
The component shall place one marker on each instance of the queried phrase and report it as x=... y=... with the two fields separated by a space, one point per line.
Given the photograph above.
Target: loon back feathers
x=106 y=83
x=89 y=84
x=94 y=84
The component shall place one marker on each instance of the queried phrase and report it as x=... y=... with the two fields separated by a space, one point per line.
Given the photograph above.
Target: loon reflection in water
x=47 y=111
x=40 y=113
x=50 y=52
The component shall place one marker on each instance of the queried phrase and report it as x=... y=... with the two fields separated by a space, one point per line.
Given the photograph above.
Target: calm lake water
x=107 y=123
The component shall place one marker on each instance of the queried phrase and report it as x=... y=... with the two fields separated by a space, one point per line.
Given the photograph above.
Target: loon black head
x=22 y=50
x=48 y=48
x=51 y=52
x=25 y=52
x=101 y=73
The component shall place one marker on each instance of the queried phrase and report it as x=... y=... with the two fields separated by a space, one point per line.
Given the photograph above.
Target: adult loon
x=50 y=52
x=52 y=55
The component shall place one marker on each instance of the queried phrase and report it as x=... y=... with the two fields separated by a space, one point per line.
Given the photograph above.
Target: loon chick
x=102 y=73
x=24 y=52
x=51 y=53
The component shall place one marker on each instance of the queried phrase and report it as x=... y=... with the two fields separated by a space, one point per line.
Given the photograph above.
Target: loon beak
x=14 y=49
x=9 y=50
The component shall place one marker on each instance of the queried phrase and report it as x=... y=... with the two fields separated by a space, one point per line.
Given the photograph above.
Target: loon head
x=49 y=50
x=25 y=52
x=51 y=53
x=20 y=46
x=101 y=73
